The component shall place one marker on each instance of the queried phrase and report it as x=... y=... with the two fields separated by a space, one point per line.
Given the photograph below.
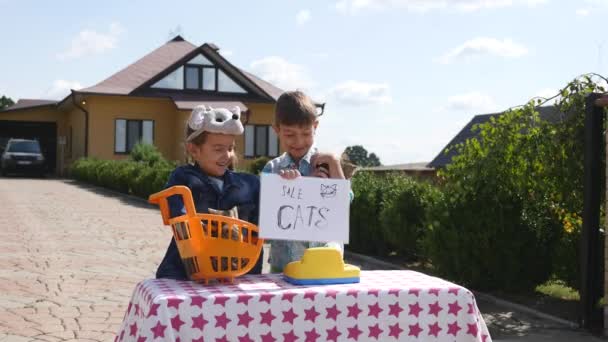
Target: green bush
x=406 y=210
x=257 y=165
x=146 y=153
x=510 y=215
x=145 y=172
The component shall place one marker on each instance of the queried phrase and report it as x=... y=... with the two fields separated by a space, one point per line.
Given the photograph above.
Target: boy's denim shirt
x=283 y=252
x=240 y=190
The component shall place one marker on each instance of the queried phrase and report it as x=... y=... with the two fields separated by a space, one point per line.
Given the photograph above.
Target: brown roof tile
x=131 y=77
x=29 y=103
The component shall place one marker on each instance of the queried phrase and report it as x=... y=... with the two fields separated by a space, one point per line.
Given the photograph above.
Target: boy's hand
x=335 y=169
x=289 y=174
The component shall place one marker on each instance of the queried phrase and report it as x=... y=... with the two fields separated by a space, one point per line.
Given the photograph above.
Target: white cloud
x=281 y=73
x=61 y=88
x=355 y=6
x=583 y=12
x=89 y=42
x=480 y=46
x=471 y=102
x=360 y=93
x=303 y=17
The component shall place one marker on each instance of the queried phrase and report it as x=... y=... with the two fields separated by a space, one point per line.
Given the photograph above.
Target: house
x=150 y=101
x=416 y=170
x=546 y=113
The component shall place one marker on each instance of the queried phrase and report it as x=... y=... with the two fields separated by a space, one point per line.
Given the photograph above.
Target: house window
x=192 y=77
x=260 y=140
x=128 y=133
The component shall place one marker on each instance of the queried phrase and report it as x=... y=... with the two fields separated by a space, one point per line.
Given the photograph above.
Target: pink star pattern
x=312 y=335
x=268 y=337
x=395 y=330
x=354 y=332
x=310 y=295
x=245 y=319
x=244 y=298
x=288 y=296
x=331 y=293
x=267 y=317
x=266 y=297
x=174 y=302
x=386 y=305
x=395 y=309
x=332 y=313
x=415 y=309
x=454 y=308
x=374 y=310
x=153 y=310
x=454 y=291
x=222 y=321
x=434 y=329
x=222 y=339
x=333 y=334
x=290 y=337
x=394 y=292
x=245 y=338
x=373 y=292
x=133 y=328
x=199 y=322
x=453 y=329
x=415 y=330
x=375 y=331
x=159 y=330
x=472 y=329
x=221 y=300
x=311 y=314
x=176 y=322
x=289 y=316
x=415 y=292
x=197 y=301
x=434 y=309
x=354 y=311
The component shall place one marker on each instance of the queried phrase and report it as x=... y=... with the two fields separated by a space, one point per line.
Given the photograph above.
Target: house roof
x=136 y=78
x=547 y=113
x=400 y=167
x=30 y=103
x=134 y=75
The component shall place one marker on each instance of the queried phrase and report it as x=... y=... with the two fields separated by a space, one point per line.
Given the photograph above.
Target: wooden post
x=591 y=313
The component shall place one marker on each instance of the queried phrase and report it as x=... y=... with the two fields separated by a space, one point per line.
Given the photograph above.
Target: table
x=385 y=306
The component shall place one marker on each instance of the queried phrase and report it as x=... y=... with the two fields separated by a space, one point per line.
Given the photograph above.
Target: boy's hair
x=295 y=108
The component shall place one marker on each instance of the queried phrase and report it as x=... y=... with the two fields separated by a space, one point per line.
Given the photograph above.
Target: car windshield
x=24 y=147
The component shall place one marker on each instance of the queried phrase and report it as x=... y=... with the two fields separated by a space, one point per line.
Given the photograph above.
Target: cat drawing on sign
x=329 y=191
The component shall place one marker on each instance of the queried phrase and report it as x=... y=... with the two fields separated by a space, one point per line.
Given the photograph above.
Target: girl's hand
x=335 y=169
x=289 y=174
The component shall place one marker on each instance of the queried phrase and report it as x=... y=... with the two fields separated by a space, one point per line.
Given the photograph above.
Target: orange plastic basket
x=210 y=246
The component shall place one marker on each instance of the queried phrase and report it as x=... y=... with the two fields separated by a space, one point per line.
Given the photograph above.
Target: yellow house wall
x=261 y=114
x=104 y=110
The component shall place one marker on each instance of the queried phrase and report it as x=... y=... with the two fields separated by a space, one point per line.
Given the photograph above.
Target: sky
x=400 y=77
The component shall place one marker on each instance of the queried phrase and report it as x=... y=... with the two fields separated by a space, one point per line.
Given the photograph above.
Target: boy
x=295 y=124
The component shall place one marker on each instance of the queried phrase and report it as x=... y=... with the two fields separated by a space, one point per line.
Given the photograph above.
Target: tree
x=5 y=102
x=357 y=154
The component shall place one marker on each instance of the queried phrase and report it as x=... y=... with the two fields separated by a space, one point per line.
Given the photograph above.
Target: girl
x=210 y=144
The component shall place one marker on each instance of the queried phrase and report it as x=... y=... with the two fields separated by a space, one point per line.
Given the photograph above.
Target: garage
x=44 y=132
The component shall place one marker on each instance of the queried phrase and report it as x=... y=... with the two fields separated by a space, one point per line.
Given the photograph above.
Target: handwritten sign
x=306 y=209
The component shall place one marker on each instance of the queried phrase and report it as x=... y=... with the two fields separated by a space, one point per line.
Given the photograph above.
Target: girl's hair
x=199 y=140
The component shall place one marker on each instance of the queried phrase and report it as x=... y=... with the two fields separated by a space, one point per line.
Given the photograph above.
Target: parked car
x=22 y=156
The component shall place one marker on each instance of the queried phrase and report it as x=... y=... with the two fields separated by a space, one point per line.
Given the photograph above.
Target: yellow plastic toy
x=210 y=246
x=321 y=266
